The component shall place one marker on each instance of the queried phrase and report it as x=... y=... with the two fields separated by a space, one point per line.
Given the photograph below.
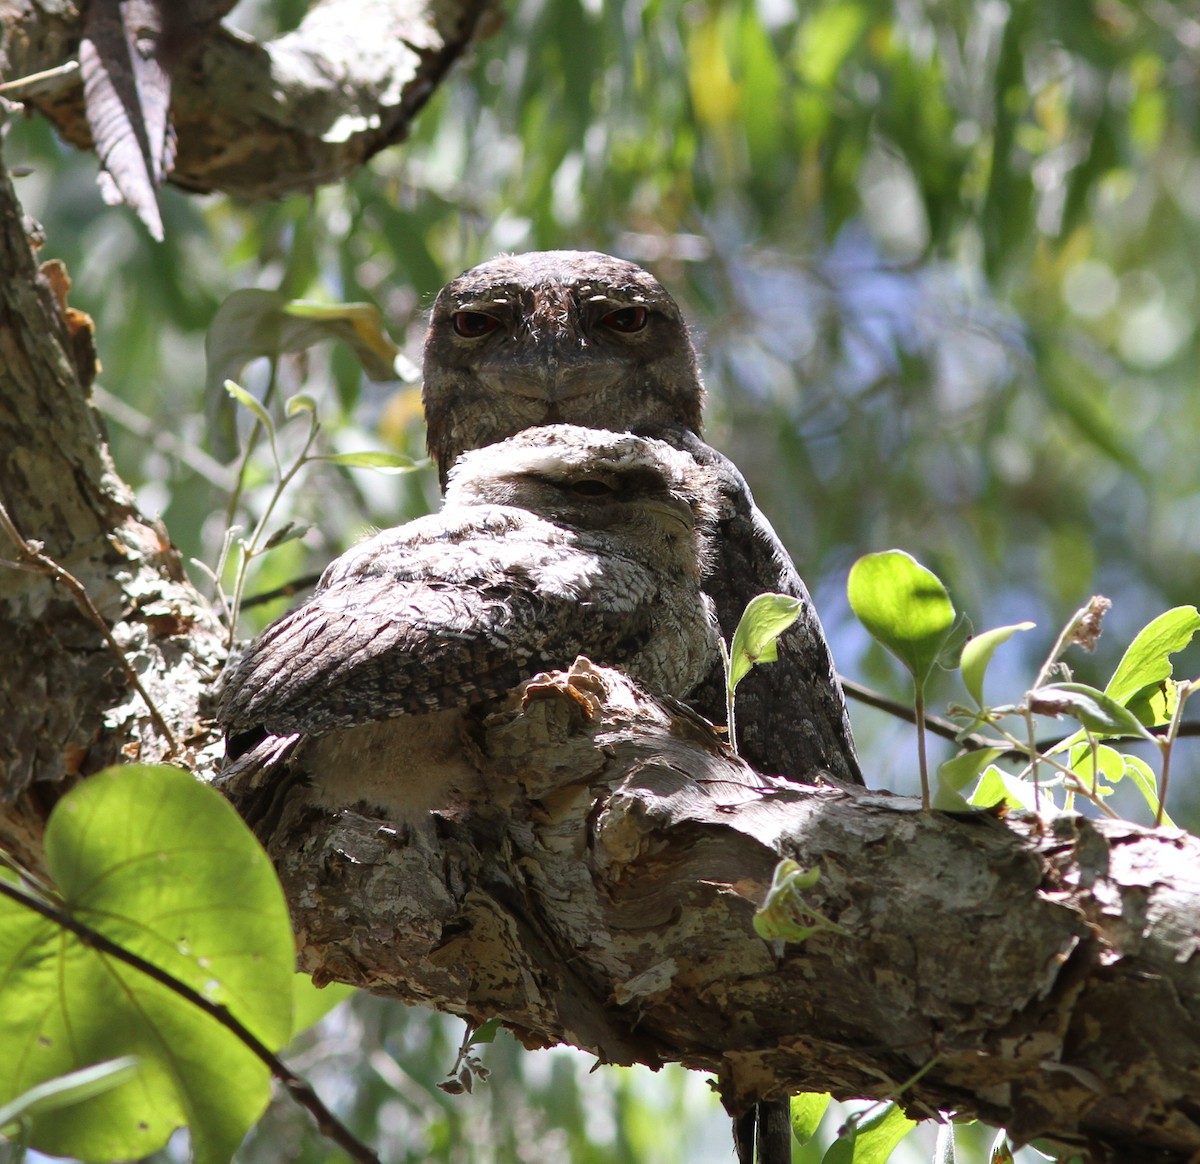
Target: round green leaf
x=904 y=606
x=807 y=1109
x=162 y=865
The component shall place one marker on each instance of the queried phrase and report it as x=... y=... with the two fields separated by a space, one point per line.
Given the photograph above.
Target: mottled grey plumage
x=588 y=339
x=559 y=542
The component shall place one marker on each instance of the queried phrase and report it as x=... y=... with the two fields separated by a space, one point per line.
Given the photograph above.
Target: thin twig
x=300 y=1090
x=33 y=558
x=33 y=80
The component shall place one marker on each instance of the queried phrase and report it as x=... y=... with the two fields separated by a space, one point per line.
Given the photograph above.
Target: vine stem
x=249 y=548
x=1167 y=746
x=922 y=756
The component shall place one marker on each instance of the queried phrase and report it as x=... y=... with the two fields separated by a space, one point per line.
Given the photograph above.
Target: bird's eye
x=473 y=324
x=627 y=319
x=592 y=487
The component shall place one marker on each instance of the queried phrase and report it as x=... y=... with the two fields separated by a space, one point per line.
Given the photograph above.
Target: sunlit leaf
x=873 y=1140
x=162 y=865
x=1143 y=778
x=67 y=1089
x=301 y=402
x=248 y=401
x=766 y=617
x=358 y=324
x=1099 y=713
x=368 y=460
x=1146 y=664
x=904 y=606
x=252 y=323
x=311 y=1003
x=977 y=654
x=807 y=1110
x=956 y=773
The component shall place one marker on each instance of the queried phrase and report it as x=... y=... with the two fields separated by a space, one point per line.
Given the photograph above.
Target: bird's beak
x=675 y=510
x=552 y=381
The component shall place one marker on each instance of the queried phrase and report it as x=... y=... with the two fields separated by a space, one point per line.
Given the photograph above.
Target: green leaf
x=358 y=324
x=784 y=914
x=368 y=460
x=808 y=1108
x=1100 y=765
x=311 y=1003
x=977 y=654
x=66 y=1090
x=162 y=865
x=486 y=1032
x=287 y=533
x=301 y=402
x=247 y=400
x=1147 y=661
x=956 y=773
x=252 y=323
x=872 y=1141
x=766 y=617
x=1144 y=780
x=904 y=606
x=1099 y=713
x=999 y=787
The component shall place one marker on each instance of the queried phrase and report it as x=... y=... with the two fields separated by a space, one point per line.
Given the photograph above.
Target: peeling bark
x=265 y=120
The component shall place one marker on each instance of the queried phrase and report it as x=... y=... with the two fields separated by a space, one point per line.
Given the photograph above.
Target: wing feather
x=400 y=626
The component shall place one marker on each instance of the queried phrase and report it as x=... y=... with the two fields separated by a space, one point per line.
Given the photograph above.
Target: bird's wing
x=370 y=648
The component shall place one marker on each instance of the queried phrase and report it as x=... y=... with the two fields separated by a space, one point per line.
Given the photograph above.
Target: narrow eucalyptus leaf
x=369 y=460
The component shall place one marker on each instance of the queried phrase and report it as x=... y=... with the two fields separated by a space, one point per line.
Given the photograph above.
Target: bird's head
x=574 y=337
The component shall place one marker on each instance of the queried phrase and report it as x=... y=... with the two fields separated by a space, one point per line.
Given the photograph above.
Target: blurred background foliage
x=940 y=257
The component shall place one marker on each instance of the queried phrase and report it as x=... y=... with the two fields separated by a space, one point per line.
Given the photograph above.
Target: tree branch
x=263 y=120
x=1041 y=975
